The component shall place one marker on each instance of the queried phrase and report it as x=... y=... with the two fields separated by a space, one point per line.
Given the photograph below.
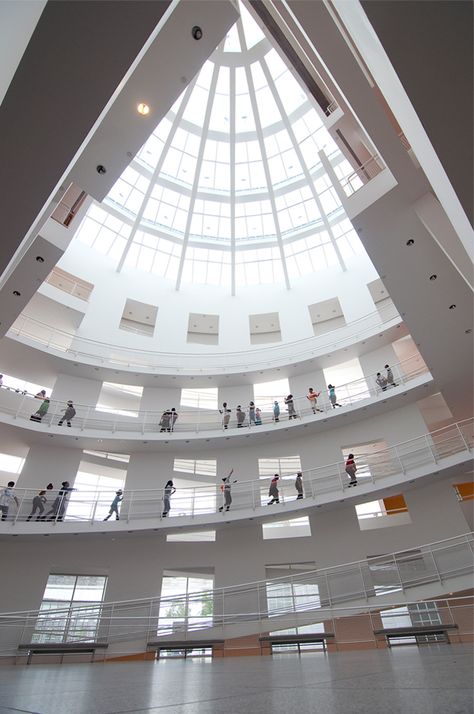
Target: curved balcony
x=82 y=511
x=17 y=407
x=76 y=348
x=314 y=597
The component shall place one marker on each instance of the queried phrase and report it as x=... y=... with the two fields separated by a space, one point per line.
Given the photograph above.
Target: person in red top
x=312 y=396
x=273 y=490
x=351 y=469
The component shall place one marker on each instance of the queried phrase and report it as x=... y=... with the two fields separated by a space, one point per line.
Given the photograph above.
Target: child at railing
x=114 y=505
x=351 y=469
x=390 y=378
x=38 y=505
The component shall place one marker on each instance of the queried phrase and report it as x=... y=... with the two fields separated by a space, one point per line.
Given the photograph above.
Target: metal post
x=130 y=506
x=462 y=437
x=85 y=418
x=399 y=459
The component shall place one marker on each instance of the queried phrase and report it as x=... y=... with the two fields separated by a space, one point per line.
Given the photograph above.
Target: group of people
x=254 y=413
x=59 y=504
x=386 y=380
x=69 y=411
x=168 y=420
x=38 y=508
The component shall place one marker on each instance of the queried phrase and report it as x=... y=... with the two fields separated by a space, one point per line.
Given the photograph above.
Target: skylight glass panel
x=219 y=120
x=288 y=88
x=196 y=106
x=203 y=266
x=103 y=232
x=267 y=109
x=253 y=33
x=150 y=152
x=129 y=190
x=255 y=267
x=154 y=254
x=232 y=42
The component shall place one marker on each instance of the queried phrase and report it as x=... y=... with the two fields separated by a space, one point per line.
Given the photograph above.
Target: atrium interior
x=236 y=355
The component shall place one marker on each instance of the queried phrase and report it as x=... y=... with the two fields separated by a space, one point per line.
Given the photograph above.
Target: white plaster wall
x=112 y=289
x=45 y=464
x=79 y=389
x=134 y=563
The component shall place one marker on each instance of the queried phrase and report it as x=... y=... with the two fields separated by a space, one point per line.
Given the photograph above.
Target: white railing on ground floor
x=83 y=507
x=296 y=600
x=21 y=406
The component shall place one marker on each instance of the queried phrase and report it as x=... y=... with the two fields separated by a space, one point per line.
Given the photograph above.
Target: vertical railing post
x=399 y=459
x=19 y=506
x=22 y=401
x=340 y=475
x=462 y=437
x=130 y=506
x=85 y=418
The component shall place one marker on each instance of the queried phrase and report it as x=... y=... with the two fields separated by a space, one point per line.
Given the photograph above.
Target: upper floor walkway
x=19 y=408
x=205 y=361
x=447 y=449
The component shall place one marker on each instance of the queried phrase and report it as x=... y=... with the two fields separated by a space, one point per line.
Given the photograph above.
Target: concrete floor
x=435 y=679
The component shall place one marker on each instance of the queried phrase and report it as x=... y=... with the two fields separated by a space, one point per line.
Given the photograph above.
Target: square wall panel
x=203 y=329
x=264 y=328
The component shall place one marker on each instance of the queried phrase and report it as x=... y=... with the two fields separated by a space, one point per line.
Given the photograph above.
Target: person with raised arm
x=226 y=490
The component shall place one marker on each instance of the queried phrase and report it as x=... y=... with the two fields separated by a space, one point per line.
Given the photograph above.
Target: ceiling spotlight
x=433 y=277
x=468 y=332
x=39 y=259
x=143 y=109
x=410 y=241
x=452 y=307
x=101 y=169
x=16 y=293
x=196 y=32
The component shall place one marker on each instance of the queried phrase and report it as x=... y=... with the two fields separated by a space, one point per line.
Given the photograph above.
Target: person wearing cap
x=381 y=381
x=114 y=505
x=168 y=491
x=276 y=411
x=69 y=413
x=299 y=485
x=273 y=490
x=225 y=488
x=240 y=415
x=390 y=378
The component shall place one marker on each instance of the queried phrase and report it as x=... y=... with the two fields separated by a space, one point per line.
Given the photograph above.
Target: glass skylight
x=229 y=189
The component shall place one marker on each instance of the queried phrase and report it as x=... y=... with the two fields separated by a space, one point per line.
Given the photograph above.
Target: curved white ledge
x=16 y=408
x=443 y=450
x=76 y=348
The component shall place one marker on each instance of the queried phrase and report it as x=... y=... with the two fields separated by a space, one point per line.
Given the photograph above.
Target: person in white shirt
x=7 y=497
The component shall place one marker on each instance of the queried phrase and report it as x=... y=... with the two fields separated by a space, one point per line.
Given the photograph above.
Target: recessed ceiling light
x=16 y=293
x=433 y=277
x=143 y=109
x=468 y=332
x=410 y=241
x=452 y=307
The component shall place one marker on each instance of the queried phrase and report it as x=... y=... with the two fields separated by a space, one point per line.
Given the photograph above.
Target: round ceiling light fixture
x=410 y=241
x=196 y=32
x=143 y=109
x=433 y=277
x=452 y=307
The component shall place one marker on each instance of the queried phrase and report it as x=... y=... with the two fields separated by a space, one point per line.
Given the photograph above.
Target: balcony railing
x=21 y=406
x=362 y=175
x=403 y=460
x=363 y=588
x=77 y=347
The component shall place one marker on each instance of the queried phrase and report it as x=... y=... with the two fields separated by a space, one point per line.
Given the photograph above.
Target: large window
x=199 y=398
x=71 y=608
x=349 y=381
x=120 y=399
x=282 y=465
x=201 y=467
x=95 y=486
x=186 y=602
x=293 y=592
x=265 y=393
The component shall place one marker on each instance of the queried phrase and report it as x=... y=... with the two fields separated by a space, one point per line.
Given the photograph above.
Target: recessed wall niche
x=326 y=315
x=380 y=295
x=203 y=329
x=138 y=317
x=264 y=328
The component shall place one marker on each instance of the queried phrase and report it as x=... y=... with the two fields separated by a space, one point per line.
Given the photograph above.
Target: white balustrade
x=21 y=406
x=138 y=505
x=80 y=348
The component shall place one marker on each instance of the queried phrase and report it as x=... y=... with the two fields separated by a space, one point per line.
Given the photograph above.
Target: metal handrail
x=76 y=346
x=204 y=500
x=199 y=419
x=364 y=580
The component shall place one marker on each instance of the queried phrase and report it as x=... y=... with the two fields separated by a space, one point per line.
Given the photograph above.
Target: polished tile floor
x=436 y=679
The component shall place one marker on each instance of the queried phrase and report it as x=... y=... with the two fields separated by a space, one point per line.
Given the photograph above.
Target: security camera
x=101 y=169
x=196 y=32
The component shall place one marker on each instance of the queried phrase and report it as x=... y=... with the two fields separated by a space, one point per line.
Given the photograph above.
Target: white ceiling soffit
x=140 y=312
x=169 y=64
x=325 y=310
x=264 y=323
x=203 y=324
x=377 y=290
